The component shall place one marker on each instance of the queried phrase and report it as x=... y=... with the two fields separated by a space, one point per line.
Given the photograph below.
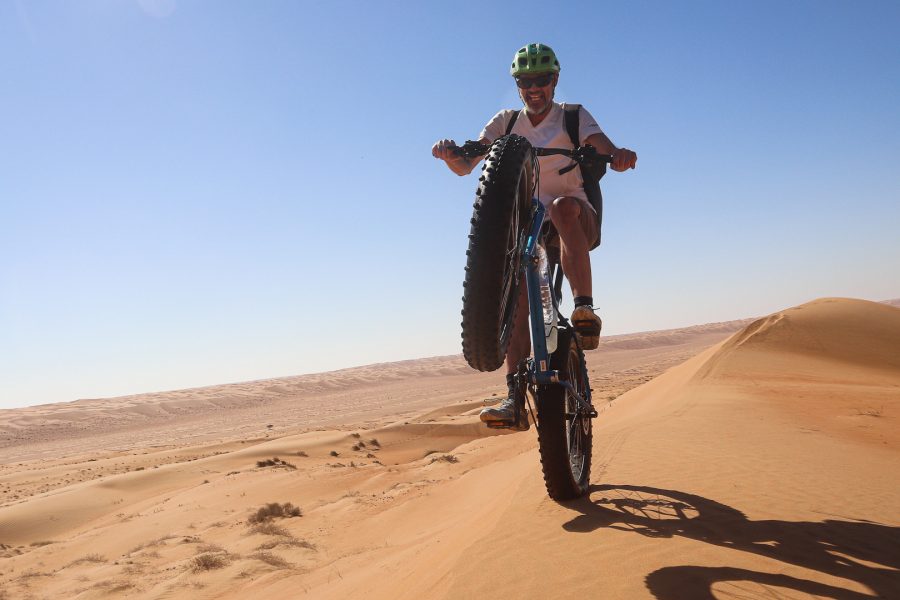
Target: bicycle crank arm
x=582 y=403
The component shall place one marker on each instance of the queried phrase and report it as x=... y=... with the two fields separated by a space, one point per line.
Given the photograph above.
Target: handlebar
x=581 y=155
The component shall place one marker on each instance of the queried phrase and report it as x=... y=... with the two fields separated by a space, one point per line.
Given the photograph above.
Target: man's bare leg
x=520 y=338
x=519 y=348
x=572 y=225
x=565 y=214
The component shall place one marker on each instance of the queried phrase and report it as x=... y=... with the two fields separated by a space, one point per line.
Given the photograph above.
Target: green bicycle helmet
x=534 y=59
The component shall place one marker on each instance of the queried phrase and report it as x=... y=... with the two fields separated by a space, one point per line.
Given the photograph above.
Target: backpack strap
x=571 y=122
x=571 y=118
x=512 y=122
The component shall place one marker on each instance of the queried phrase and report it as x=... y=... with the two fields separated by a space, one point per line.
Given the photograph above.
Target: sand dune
x=765 y=465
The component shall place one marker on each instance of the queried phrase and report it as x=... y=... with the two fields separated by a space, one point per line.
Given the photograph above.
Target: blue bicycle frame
x=538 y=371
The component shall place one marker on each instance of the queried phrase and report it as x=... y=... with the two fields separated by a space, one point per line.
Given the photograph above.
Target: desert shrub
x=445 y=458
x=334 y=453
x=270 y=528
x=286 y=542
x=113 y=586
x=374 y=442
x=274 y=462
x=89 y=558
x=273 y=510
x=208 y=562
x=271 y=559
x=152 y=543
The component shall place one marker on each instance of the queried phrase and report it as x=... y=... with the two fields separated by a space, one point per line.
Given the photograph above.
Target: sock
x=511 y=381
x=584 y=301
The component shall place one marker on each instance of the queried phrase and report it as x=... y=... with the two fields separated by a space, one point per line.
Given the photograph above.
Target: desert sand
x=749 y=459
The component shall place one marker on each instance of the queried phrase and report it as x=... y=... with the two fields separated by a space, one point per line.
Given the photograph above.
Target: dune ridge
x=370 y=393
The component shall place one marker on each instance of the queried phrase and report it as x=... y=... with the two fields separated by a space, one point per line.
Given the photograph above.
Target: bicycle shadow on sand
x=861 y=551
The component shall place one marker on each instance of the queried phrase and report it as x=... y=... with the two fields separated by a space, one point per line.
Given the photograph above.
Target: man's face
x=536 y=91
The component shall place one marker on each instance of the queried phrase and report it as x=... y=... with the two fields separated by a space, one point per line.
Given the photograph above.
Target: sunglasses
x=541 y=81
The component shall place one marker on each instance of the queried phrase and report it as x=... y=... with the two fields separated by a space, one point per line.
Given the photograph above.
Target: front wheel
x=499 y=224
x=565 y=434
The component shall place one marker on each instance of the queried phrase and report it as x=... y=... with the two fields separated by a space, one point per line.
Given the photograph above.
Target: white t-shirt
x=549 y=133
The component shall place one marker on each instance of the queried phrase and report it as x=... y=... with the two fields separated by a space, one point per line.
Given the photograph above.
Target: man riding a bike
x=543 y=123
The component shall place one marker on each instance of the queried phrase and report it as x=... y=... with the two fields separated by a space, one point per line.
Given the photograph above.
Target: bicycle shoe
x=587 y=325
x=510 y=414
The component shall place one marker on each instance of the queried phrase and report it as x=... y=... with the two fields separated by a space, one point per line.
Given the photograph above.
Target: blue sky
x=202 y=192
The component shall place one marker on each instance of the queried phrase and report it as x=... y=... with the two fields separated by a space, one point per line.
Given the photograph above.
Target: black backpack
x=590 y=173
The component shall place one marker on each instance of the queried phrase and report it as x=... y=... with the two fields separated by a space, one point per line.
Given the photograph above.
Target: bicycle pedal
x=500 y=424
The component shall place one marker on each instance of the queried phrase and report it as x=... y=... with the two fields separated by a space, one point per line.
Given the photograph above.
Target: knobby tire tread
x=551 y=426
x=500 y=192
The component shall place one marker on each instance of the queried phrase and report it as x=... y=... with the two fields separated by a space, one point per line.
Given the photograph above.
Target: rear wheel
x=499 y=222
x=565 y=434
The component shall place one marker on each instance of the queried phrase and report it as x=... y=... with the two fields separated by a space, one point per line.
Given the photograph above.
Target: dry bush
x=152 y=543
x=89 y=558
x=287 y=542
x=356 y=435
x=112 y=587
x=41 y=543
x=31 y=573
x=374 y=442
x=205 y=548
x=208 y=562
x=273 y=510
x=333 y=453
x=270 y=529
x=271 y=559
x=274 y=462
x=355 y=448
x=134 y=568
x=302 y=453
x=867 y=412
x=445 y=458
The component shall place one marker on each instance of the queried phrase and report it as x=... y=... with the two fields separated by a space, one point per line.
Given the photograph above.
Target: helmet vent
x=523 y=62
x=545 y=59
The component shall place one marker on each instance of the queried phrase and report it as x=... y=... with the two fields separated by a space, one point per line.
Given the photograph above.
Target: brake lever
x=471 y=149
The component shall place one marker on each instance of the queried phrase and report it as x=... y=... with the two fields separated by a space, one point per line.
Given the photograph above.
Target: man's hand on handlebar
x=623 y=159
x=445 y=150
x=460 y=159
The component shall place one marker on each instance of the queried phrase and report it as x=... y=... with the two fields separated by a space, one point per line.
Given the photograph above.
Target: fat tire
x=500 y=216
x=561 y=483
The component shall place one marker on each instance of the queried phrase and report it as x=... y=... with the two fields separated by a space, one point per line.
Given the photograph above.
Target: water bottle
x=550 y=328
